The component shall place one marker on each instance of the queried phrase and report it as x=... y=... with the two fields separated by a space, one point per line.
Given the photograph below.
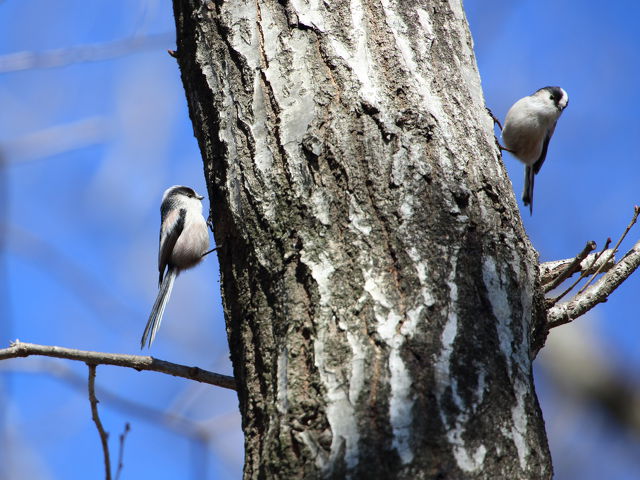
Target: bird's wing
x=538 y=165
x=172 y=226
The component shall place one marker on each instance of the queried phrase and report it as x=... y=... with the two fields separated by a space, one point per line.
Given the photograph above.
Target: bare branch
x=550 y=270
x=597 y=293
x=565 y=271
x=137 y=362
x=552 y=301
x=122 y=438
x=104 y=436
x=15 y=62
x=636 y=211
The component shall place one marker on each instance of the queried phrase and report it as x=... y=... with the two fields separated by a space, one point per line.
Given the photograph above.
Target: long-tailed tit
x=184 y=240
x=529 y=126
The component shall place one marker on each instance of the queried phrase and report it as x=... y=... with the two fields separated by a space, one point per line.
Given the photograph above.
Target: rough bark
x=378 y=287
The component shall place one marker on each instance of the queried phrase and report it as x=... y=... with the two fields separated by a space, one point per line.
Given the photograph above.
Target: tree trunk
x=377 y=282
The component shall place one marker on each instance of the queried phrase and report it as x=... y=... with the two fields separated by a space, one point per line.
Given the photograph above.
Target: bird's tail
x=155 y=318
x=527 y=193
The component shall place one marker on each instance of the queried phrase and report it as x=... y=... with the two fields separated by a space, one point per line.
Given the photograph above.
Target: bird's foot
x=494 y=118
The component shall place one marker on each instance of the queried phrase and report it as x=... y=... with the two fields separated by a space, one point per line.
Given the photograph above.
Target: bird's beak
x=199 y=197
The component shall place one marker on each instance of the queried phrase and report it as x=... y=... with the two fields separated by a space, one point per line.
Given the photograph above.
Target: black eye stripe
x=555 y=94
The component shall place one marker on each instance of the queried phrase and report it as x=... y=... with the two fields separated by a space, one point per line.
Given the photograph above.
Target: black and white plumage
x=184 y=239
x=528 y=128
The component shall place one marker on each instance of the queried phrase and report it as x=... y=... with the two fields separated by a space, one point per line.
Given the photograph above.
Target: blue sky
x=90 y=147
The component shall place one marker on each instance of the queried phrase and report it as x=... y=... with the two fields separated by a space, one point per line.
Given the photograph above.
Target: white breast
x=193 y=241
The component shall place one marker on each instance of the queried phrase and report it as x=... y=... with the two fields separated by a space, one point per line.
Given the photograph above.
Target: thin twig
x=636 y=210
x=597 y=293
x=572 y=267
x=104 y=436
x=550 y=270
x=553 y=301
x=137 y=362
x=122 y=437
x=585 y=300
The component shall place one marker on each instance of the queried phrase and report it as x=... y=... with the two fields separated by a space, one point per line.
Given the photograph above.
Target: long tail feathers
x=155 y=318
x=527 y=193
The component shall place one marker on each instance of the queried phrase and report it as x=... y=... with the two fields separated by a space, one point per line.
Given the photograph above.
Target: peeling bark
x=379 y=290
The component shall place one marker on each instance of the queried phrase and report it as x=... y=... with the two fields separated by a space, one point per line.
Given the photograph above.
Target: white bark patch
x=359 y=60
x=456 y=8
x=421 y=270
x=466 y=63
x=282 y=396
x=500 y=307
x=467 y=59
x=320 y=206
x=519 y=428
x=461 y=454
x=358 y=358
x=295 y=98
x=340 y=410
x=467 y=461
x=341 y=400
x=404 y=38
x=225 y=132
x=512 y=353
x=310 y=13
x=399 y=30
x=406 y=208
x=399 y=166
x=245 y=38
x=410 y=325
x=289 y=81
x=287 y=70
x=400 y=401
x=263 y=157
x=359 y=221
x=319 y=455
x=424 y=18
x=321 y=271
x=340 y=393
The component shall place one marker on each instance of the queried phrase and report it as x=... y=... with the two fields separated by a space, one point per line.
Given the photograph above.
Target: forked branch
x=591 y=294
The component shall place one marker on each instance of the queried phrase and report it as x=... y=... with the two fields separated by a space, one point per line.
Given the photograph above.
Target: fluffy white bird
x=529 y=126
x=184 y=241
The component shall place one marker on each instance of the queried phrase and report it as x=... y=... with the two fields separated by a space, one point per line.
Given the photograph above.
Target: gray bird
x=529 y=126
x=184 y=241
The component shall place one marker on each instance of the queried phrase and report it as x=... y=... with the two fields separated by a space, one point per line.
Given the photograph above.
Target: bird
x=184 y=241
x=528 y=128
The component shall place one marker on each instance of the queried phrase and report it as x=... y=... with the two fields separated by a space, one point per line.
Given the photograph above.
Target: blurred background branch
x=58 y=139
x=19 y=61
